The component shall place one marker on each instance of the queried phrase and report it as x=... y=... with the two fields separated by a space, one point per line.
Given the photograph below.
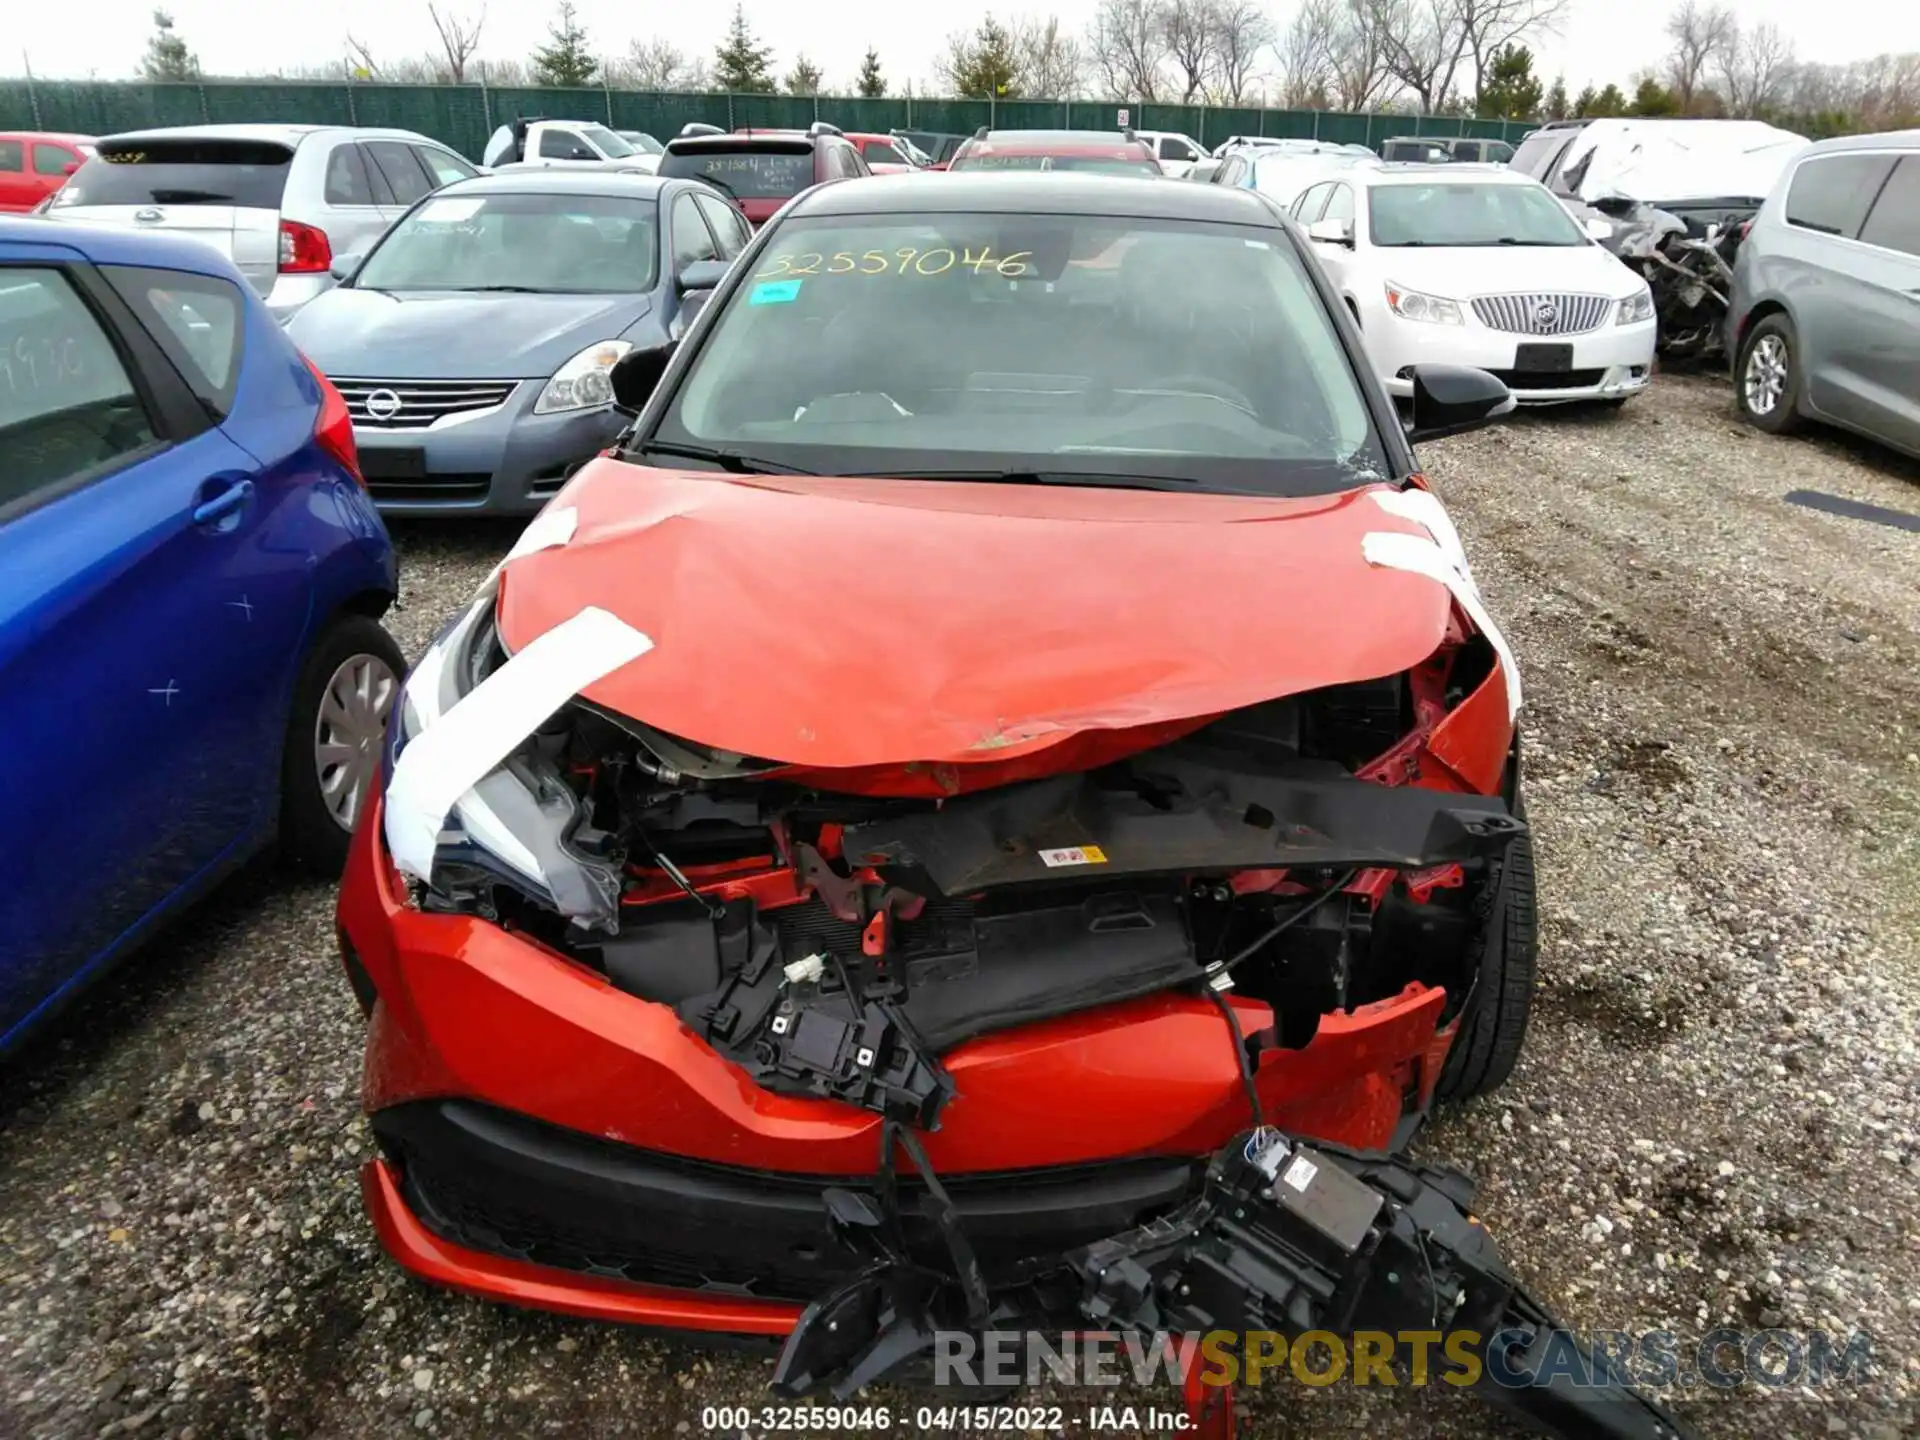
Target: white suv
x=1177 y=154
x=280 y=201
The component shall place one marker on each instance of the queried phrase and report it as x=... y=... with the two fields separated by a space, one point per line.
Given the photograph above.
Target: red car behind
x=1095 y=151
x=34 y=164
x=760 y=170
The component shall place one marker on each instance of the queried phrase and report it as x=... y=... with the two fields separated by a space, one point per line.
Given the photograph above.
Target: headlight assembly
x=1429 y=309
x=1636 y=309
x=584 y=382
x=520 y=824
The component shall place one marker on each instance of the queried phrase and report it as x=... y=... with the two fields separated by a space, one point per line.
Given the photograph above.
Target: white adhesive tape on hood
x=548 y=530
x=449 y=757
x=1442 y=558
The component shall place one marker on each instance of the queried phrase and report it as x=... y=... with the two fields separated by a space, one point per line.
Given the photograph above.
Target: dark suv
x=760 y=170
x=1445 y=149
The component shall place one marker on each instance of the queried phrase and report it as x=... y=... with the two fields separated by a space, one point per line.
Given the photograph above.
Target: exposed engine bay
x=838 y=943
x=1686 y=255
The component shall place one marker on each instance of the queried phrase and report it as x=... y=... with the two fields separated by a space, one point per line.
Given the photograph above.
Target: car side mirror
x=691 y=304
x=70 y=167
x=1452 y=399
x=1598 y=229
x=636 y=373
x=700 y=275
x=1331 y=232
x=343 y=267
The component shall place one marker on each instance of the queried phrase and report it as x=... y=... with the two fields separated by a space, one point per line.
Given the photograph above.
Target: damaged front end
x=1010 y=964
x=1285 y=1239
x=836 y=934
x=1685 y=254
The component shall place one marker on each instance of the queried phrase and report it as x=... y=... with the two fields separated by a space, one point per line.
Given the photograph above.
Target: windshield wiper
x=732 y=461
x=503 y=289
x=185 y=197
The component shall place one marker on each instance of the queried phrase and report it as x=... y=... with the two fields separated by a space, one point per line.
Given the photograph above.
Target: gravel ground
x=1715 y=1121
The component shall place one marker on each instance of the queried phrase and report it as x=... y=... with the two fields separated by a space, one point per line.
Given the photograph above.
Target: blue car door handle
x=219 y=503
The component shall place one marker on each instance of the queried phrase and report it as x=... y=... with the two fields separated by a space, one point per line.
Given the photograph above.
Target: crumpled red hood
x=837 y=623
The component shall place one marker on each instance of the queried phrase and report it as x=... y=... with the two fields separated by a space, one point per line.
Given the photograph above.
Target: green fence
x=464 y=115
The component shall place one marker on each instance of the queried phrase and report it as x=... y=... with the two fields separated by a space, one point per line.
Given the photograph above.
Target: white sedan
x=1461 y=265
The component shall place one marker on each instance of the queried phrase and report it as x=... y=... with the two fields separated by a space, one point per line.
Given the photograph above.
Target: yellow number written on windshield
x=904 y=261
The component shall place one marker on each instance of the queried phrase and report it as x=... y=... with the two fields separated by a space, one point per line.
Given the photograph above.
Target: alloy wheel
x=1765 y=381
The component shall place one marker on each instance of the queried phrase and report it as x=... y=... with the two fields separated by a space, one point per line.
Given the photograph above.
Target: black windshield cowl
x=1099 y=479
x=732 y=461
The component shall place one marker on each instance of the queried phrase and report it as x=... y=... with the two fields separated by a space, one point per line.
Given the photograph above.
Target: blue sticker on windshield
x=775 y=292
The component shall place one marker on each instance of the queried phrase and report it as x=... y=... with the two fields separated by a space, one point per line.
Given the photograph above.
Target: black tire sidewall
x=1493 y=1025
x=309 y=836
x=1786 y=415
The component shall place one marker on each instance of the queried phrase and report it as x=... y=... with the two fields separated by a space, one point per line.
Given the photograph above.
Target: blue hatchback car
x=191 y=580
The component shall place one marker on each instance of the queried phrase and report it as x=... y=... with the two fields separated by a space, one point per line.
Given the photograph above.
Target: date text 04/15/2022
x=940 y=1419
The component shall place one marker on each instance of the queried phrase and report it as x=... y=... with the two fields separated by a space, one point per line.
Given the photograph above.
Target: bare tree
x=1701 y=31
x=1052 y=66
x=655 y=65
x=1242 y=32
x=362 y=56
x=1363 y=78
x=1753 y=69
x=1126 y=49
x=1307 y=55
x=1423 y=42
x=1488 y=26
x=1187 y=31
x=459 y=37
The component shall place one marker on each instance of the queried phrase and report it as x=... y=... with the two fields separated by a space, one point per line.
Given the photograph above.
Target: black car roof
x=1043 y=191
x=631 y=184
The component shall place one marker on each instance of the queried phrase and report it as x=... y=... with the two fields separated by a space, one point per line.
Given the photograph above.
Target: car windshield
x=551 y=244
x=745 y=174
x=1106 y=350
x=642 y=143
x=608 y=143
x=1447 y=214
x=1091 y=164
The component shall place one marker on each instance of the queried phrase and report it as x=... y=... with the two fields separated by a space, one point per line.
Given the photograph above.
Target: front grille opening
x=1542 y=314
x=416 y=404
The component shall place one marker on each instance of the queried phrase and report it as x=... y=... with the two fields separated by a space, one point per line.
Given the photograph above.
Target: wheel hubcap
x=1766 y=377
x=349 y=731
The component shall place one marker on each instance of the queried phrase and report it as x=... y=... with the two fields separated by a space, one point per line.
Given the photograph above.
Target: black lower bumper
x=1285 y=1239
x=505 y=1184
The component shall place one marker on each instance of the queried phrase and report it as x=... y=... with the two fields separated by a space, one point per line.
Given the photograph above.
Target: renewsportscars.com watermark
x=1723 y=1359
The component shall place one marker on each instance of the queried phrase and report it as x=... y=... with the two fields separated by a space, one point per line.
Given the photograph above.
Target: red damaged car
x=1009 y=738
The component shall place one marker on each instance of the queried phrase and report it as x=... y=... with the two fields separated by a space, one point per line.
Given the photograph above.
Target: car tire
x=1766 y=383
x=347 y=687
x=1493 y=1028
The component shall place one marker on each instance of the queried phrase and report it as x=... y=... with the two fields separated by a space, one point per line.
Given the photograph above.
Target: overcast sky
x=1601 y=40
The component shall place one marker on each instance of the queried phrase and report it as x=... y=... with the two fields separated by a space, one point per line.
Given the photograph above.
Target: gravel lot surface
x=1715 y=1121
